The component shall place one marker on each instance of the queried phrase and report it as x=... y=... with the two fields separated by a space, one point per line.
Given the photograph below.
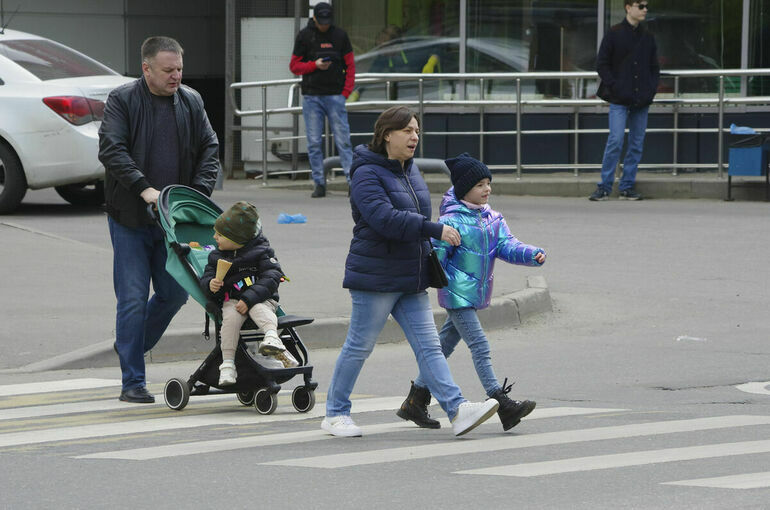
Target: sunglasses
x=642 y=7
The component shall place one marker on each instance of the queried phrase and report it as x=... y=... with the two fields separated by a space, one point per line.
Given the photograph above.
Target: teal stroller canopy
x=187 y=218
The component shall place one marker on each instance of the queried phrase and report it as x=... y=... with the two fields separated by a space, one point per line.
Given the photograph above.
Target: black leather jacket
x=124 y=138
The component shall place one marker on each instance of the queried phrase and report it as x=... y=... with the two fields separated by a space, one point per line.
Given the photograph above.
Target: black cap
x=322 y=12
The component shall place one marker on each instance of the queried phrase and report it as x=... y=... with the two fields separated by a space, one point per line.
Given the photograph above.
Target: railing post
x=577 y=140
x=518 y=128
x=295 y=135
x=481 y=120
x=264 y=135
x=421 y=115
x=720 y=149
x=676 y=124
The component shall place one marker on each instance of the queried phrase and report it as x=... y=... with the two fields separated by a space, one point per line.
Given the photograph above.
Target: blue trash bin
x=748 y=157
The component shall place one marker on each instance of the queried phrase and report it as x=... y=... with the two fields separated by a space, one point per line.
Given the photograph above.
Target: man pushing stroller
x=248 y=289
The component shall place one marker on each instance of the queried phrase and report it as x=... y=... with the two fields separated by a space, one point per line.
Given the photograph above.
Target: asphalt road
x=661 y=311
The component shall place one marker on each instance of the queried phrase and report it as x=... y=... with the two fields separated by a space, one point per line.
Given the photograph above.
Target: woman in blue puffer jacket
x=386 y=272
x=469 y=267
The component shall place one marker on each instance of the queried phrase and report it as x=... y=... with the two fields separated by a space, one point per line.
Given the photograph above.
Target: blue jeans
x=414 y=315
x=140 y=256
x=464 y=323
x=314 y=108
x=637 y=125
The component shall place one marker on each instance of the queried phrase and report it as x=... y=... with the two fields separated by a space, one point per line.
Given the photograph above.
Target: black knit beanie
x=466 y=172
x=239 y=223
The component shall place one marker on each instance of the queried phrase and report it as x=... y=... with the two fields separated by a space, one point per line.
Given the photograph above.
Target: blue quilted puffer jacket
x=391 y=238
x=470 y=266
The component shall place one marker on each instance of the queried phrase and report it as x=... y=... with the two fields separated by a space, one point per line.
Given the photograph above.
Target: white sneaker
x=286 y=359
x=342 y=425
x=268 y=361
x=227 y=373
x=271 y=344
x=472 y=414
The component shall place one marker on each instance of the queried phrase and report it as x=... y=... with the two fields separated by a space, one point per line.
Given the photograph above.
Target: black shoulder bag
x=436 y=275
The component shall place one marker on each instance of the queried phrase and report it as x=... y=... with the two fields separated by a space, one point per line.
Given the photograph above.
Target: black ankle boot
x=415 y=408
x=511 y=411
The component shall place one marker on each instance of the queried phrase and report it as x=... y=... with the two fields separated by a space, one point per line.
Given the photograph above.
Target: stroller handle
x=152 y=211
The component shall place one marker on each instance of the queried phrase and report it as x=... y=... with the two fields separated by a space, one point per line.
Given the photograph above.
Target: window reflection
x=422 y=36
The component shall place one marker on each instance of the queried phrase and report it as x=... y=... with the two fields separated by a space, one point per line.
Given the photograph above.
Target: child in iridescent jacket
x=485 y=237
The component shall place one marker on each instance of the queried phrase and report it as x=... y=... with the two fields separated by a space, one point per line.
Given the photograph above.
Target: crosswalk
x=83 y=419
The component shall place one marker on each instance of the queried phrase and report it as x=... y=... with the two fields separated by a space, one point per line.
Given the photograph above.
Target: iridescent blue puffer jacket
x=470 y=266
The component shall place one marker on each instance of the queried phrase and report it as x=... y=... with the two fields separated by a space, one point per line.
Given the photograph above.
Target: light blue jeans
x=636 y=118
x=140 y=257
x=463 y=323
x=314 y=109
x=414 y=315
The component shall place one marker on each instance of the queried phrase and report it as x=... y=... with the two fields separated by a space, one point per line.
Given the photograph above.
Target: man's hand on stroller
x=150 y=195
x=241 y=307
x=215 y=285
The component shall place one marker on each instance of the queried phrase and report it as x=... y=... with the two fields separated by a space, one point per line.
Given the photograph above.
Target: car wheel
x=13 y=182
x=90 y=194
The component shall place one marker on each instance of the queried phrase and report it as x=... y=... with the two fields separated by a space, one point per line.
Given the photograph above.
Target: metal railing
x=482 y=105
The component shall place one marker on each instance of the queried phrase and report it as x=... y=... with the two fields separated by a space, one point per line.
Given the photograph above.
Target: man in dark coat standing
x=155 y=132
x=628 y=67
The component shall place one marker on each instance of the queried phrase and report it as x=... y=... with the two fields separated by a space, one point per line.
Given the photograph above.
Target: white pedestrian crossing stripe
x=743 y=481
x=619 y=460
x=526 y=441
x=52 y=386
x=359 y=406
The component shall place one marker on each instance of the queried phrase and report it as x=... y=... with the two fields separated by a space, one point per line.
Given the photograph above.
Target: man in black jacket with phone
x=155 y=133
x=628 y=67
x=323 y=56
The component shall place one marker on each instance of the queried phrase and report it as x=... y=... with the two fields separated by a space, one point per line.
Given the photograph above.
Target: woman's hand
x=450 y=235
x=215 y=285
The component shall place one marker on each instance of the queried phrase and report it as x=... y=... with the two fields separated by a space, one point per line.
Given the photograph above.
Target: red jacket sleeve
x=298 y=67
x=350 y=76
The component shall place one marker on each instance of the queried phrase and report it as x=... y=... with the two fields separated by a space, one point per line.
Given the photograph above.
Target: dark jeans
x=140 y=257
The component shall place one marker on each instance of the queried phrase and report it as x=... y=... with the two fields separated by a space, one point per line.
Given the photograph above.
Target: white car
x=51 y=104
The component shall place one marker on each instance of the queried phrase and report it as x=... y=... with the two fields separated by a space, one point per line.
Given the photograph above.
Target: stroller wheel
x=265 y=402
x=176 y=393
x=245 y=397
x=302 y=399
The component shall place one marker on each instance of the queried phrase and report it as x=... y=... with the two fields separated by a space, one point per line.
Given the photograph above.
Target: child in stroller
x=249 y=288
x=187 y=218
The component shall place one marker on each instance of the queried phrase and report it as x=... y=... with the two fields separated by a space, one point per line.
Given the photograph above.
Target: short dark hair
x=155 y=44
x=392 y=119
x=630 y=2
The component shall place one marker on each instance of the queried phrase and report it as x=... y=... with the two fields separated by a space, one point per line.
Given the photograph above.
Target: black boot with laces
x=511 y=411
x=415 y=408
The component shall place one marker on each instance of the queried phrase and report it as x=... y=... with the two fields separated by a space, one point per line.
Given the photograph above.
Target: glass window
x=402 y=36
x=49 y=60
x=531 y=35
x=692 y=34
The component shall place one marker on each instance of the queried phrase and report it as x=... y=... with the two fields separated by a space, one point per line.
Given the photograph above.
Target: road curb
x=189 y=344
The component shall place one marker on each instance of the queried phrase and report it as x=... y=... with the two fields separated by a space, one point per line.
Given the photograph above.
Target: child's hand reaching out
x=215 y=285
x=540 y=257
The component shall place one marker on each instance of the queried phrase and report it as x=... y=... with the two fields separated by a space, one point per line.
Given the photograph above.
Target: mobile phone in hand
x=326 y=59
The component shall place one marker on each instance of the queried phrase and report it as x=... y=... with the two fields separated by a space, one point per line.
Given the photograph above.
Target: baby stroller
x=187 y=217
